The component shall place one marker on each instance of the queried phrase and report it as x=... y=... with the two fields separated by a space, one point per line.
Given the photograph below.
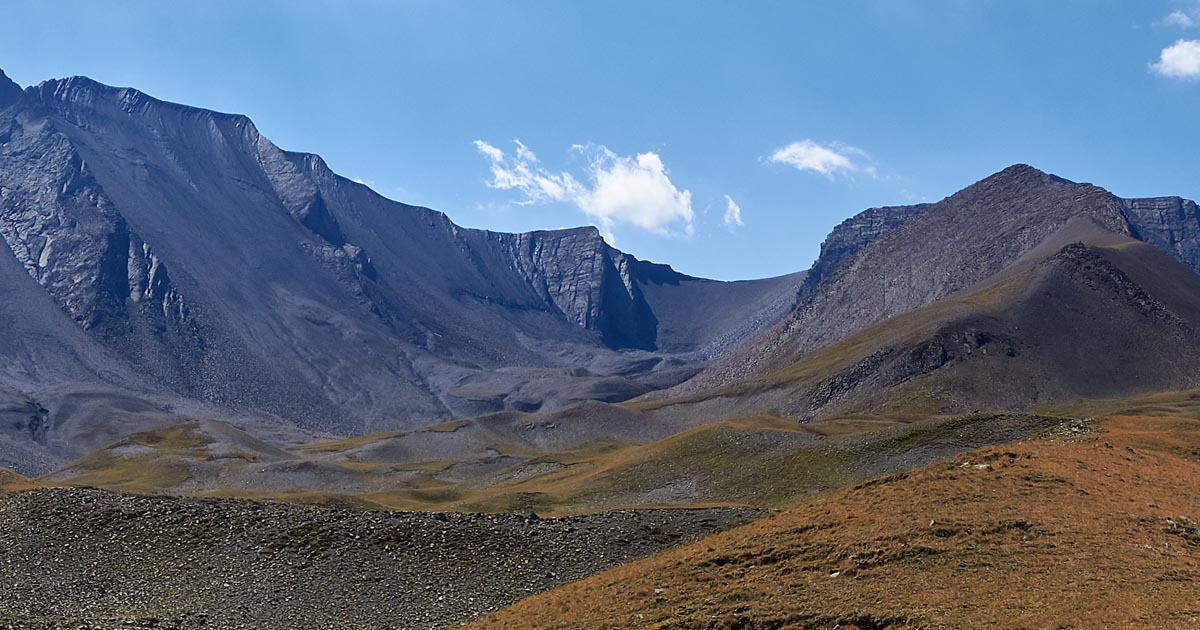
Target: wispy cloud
x=829 y=159
x=523 y=173
x=1186 y=15
x=1180 y=60
x=1179 y=19
x=733 y=212
x=616 y=190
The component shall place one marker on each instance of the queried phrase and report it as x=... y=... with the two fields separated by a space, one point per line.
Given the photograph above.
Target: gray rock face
x=945 y=247
x=199 y=264
x=10 y=92
x=852 y=235
x=69 y=236
x=1169 y=223
x=589 y=282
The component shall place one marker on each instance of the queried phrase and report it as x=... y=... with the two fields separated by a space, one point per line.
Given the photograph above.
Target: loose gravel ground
x=83 y=558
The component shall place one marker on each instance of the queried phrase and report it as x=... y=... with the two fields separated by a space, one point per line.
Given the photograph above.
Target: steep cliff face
x=290 y=177
x=69 y=236
x=10 y=92
x=590 y=283
x=1171 y=224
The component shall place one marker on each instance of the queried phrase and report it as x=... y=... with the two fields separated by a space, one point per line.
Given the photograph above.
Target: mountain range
x=168 y=264
x=357 y=413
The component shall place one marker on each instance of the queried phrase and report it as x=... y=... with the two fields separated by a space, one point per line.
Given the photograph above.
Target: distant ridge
x=889 y=261
x=169 y=263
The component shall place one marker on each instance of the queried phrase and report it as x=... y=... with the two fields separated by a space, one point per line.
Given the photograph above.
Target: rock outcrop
x=69 y=236
x=1171 y=224
x=10 y=92
x=590 y=283
x=854 y=234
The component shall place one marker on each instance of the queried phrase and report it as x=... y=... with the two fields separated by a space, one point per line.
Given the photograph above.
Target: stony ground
x=83 y=558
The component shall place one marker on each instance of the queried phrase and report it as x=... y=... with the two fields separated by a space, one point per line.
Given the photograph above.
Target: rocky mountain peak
x=73 y=87
x=1016 y=181
x=83 y=100
x=1013 y=188
x=10 y=92
x=1020 y=171
x=68 y=89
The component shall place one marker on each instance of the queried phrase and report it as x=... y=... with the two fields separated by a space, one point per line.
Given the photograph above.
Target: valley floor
x=1095 y=527
x=1089 y=523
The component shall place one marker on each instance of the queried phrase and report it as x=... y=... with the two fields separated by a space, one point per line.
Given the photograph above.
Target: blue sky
x=647 y=118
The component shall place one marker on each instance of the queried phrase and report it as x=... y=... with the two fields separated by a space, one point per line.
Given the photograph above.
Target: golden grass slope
x=163 y=459
x=10 y=480
x=1074 y=531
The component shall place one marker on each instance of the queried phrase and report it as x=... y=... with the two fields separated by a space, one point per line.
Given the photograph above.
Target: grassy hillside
x=762 y=460
x=1087 y=528
x=10 y=480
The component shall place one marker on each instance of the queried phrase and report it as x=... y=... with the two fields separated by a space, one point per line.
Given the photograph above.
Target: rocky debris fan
x=85 y=558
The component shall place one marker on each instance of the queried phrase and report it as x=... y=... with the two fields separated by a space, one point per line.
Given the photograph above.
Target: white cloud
x=492 y=153
x=523 y=173
x=1179 y=19
x=632 y=190
x=1180 y=60
x=635 y=190
x=830 y=159
x=733 y=212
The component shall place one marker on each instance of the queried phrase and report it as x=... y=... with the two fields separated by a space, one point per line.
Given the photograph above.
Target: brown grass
x=1078 y=532
x=103 y=469
x=346 y=444
x=10 y=481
